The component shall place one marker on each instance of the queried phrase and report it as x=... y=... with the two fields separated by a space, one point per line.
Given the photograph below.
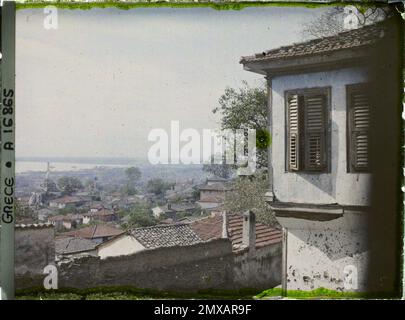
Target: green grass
x=320 y=293
x=129 y=293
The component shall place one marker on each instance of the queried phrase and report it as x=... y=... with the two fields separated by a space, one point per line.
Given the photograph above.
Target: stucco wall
x=338 y=186
x=319 y=253
x=123 y=245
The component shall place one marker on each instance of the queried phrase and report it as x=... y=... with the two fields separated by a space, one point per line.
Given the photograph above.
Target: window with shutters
x=358 y=128
x=307 y=130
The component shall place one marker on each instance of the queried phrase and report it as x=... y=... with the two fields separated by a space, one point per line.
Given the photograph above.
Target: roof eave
x=313 y=62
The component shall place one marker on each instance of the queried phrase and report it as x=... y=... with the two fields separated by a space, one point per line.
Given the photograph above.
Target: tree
x=246 y=108
x=157 y=186
x=23 y=212
x=140 y=216
x=339 y=19
x=248 y=194
x=69 y=185
x=133 y=174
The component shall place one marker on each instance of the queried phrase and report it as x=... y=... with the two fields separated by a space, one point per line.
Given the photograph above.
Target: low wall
x=201 y=266
x=34 y=250
x=259 y=270
x=210 y=265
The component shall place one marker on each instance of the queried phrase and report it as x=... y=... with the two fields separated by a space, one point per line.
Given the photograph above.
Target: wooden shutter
x=315 y=132
x=359 y=116
x=293 y=133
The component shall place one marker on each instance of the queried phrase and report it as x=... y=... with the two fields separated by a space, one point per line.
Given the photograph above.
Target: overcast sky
x=99 y=83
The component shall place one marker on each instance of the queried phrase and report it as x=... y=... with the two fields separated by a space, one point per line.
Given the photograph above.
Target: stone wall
x=260 y=270
x=210 y=265
x=34 y=249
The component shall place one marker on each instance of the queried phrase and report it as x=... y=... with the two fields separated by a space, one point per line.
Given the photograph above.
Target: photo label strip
x=7 y=125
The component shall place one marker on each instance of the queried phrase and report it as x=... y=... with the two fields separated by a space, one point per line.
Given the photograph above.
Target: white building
x=321 y=102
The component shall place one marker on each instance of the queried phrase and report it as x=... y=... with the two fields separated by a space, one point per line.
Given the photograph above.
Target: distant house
x=97 y=233
x=66 y=201
x=96 y=206
x=74 y=247
x=148 y=238
x=212 y=194
x=171 y=210
x=103 y=215
x=66 y=221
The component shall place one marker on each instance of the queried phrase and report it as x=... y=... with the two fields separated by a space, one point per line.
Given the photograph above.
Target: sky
x=98 y=84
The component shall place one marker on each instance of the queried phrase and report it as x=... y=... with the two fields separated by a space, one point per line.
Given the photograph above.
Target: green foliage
x=51 y=296
x=246 y=108
x=248 y=194
x=128 y=190
x=68 y=185
x=131 y=293
x=133 y=174
x=319 y=293
x=140 y=216
x=157 y=186
x=263 y=139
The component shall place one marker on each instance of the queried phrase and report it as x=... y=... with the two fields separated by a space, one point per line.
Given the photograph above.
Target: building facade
x=322 y=104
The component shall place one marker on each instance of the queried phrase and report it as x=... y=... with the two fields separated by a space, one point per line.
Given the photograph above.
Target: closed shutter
x=315 y=132
x=360 y=125
x=293 y=132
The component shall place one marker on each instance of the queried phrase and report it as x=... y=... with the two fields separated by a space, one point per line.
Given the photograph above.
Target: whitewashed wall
x=338 y=186
x=320 y=254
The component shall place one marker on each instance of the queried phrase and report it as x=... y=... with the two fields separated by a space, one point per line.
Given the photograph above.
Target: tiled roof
x=96 y=231
x=264 y=234
x=208 y=228
x=345 y=40
x=73 y=245
x=166 y=236
x=67 y=217
x=211 y=228
x=67 y=199
x=102 y=212
x=215 y=187
x=211 y=199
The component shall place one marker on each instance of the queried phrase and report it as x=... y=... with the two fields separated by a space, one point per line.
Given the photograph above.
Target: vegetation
x=248 y=194
x=139 y=216
x=129 y=293
x=132 y=174
x=246 y=108
x=23 y=212
x=157 y=186
x=319 y=293
x=332 y=21
x=69 y=185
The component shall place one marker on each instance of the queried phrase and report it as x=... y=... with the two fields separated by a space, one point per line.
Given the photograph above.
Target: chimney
x=224 y=225
x=249 y=230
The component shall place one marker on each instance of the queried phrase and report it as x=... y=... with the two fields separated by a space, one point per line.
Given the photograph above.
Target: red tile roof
x=96 y=231
x=211 y=228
